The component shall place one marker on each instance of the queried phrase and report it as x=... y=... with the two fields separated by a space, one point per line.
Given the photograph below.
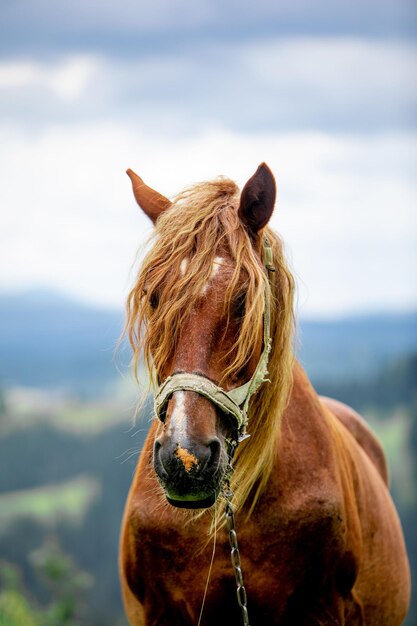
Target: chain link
x=234 y=547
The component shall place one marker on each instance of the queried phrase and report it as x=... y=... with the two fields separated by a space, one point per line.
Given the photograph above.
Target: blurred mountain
x=49 y=340
x=356 y=347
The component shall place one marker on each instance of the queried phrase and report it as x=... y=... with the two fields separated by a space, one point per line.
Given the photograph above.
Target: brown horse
x=320 y=540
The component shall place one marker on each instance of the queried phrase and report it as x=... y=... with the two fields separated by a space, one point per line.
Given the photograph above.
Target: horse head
x=198 y=309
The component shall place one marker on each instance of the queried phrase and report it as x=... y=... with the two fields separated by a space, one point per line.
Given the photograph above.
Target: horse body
x=323 y=545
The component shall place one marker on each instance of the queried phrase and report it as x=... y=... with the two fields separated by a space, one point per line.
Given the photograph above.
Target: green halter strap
x=236 y=401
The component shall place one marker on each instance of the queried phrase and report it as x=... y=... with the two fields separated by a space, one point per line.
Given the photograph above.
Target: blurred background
x=181 y=91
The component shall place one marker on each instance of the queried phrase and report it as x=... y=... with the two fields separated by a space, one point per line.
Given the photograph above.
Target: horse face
x=190 y=455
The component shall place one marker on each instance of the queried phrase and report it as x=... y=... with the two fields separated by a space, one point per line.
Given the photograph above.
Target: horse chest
x=285 y=556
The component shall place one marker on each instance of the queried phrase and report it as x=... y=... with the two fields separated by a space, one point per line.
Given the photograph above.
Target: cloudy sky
x=184 y=91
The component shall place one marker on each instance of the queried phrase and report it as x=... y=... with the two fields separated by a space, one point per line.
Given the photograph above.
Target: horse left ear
x=257 y=199
x=149 y=200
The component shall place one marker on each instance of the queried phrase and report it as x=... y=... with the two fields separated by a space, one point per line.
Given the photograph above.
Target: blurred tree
x=66 y=584
x=15 y=609
x=395 y=386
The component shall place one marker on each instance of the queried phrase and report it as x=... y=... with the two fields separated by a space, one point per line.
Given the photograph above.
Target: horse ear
x=150 y=201
x=257 y=199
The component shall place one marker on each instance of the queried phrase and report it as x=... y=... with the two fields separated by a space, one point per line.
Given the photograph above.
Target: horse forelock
x=188 y=236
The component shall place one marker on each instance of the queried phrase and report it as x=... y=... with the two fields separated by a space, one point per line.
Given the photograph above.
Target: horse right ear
x=257 y=200
x=150 y=201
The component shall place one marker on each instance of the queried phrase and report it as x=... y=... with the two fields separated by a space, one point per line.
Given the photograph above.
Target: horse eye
x=154 y=300
x=239 y=305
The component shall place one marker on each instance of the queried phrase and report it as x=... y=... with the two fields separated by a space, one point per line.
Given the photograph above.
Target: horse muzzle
x=190 y=474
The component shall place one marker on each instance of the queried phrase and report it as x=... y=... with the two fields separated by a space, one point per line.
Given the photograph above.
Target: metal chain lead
x=242 y=598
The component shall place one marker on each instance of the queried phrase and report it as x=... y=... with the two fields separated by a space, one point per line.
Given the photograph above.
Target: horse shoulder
x=361 y=432
x=299 y=536
x=335 y=488
x=310 y=507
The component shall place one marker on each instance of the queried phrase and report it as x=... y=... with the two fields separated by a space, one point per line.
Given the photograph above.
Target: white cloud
x=345 y=207
x=66 y=79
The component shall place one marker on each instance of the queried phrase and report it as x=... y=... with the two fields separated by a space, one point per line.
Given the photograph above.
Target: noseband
x=234 y=403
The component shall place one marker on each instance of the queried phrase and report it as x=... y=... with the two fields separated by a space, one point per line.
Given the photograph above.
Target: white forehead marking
x=217 y=263
x=183 y=266
x=178 y=422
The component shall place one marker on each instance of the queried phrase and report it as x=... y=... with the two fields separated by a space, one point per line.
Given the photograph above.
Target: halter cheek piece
x=234 y=403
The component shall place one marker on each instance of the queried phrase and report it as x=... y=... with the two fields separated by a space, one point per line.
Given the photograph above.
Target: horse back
x=361 y=432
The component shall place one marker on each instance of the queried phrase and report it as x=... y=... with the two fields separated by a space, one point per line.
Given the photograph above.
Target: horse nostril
x=159 y=466
x=157 y=447
x=215 y=449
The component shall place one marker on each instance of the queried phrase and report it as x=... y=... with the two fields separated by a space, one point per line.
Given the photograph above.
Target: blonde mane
x=201 y=219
